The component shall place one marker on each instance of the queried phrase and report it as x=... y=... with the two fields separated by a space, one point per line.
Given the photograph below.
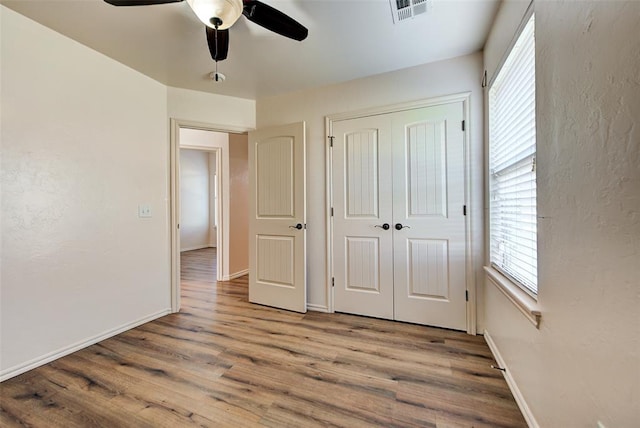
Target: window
x=512 y=165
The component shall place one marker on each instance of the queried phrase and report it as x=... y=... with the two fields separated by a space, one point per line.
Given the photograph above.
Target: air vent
x=403 y=10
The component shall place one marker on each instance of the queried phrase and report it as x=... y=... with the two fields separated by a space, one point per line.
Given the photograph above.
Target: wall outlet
x=144 y=211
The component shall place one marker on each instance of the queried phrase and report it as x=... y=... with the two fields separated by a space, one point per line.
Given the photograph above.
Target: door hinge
x=178 y=225
x=464 y=210
x=331 y=211
x=331 y=137
x=466 y=295
x=333 y=282
x=463 y=125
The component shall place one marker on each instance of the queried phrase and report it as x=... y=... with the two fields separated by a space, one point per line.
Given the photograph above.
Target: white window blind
x=512 y=164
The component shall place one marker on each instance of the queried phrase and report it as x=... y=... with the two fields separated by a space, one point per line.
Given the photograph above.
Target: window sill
x=523 y=301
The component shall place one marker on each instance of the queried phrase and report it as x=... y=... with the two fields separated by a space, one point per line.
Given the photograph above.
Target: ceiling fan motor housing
x=211 y=12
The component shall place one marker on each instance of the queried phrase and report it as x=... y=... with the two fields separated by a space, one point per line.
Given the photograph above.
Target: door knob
x=384 y=226
x=399 y=226
x=297 y=226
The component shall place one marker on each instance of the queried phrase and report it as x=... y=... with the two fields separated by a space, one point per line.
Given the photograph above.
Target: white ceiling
x=348 y=39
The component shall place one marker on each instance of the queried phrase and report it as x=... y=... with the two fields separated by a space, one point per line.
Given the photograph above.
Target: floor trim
x=197 y=247
x=317 y=308
x=235 y=275
x=517 y=395
x=47 y=358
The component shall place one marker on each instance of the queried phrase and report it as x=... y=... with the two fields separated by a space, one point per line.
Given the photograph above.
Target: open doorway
x=224 y=151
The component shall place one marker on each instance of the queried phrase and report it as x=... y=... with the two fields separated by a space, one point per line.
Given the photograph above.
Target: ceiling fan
x=219 y=15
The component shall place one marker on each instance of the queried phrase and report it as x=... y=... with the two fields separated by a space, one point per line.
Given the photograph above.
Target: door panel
x=277 y=249
x=428 y=268
x=426 y=169
x=363 y=262
x=275 y=163
x=428 y=199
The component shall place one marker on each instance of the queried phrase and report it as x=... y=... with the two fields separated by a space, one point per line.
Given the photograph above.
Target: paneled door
x=429 y=247
x=398 y=226
x=362 y=244
x=277 y=224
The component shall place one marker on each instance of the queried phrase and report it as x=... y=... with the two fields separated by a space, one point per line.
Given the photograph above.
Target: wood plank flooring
x=223 y=362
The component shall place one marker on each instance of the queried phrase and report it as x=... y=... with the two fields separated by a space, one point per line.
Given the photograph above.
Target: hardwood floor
x=224 y=362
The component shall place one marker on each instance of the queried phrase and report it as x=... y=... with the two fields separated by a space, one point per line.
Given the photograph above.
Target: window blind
x=512 y=164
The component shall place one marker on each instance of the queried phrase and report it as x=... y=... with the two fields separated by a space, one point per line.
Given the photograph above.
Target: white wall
x=194 y=199
x=212 y=109
x=84 y=142
x=582 y=366
x=427 y=81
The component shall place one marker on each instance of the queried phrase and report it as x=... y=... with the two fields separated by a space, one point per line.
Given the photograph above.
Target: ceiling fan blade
x=218 y=44
x=274 y=20
x=139 y=2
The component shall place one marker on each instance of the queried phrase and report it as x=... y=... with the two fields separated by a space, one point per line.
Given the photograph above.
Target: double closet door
x=398 y=195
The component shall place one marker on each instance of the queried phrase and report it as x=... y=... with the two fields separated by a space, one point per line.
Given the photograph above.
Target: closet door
x=428 y=220
x=404 y=170
x=362 y=244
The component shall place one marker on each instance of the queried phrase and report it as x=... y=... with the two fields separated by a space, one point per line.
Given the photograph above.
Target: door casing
x=460 y=97
x=174 y=203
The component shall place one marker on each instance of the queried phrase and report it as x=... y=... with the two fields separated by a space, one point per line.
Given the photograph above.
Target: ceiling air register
x=403 y=10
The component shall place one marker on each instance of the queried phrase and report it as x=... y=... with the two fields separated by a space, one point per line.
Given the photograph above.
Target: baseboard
x=317 y=308
x=197 y=247
x=235 y=275
x=47 y=358
x=517 y=395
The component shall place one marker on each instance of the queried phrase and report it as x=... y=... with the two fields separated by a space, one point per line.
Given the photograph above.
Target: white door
x=405 y=169
x=277 y=225
x=429 y=246
x=362 y=245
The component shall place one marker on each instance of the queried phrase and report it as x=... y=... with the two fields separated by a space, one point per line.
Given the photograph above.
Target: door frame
x=465 y=98
x=174 y=198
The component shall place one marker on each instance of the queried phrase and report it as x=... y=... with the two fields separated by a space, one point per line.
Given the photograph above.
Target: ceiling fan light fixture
x=208 y=11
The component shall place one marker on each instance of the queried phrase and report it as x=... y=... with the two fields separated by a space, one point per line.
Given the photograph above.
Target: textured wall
x=84 y=142
x=582 y=366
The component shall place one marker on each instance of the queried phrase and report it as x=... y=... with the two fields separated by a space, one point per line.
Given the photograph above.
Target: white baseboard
x=197 y=247
x=317 y=308
x=235 y=275
x=47 y=358
x=517 y=395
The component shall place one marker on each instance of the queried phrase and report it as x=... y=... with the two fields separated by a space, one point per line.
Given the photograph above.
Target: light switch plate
x=144 y=211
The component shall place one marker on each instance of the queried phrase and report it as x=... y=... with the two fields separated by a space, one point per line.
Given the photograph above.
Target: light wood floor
x=224 y=362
